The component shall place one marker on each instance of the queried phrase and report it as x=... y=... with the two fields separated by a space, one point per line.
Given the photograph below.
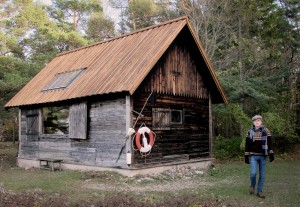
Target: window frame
x=181 y=117
x=43 y=134
x=29 y=118
x=57 y=83
x=167 y=121
x=76 y=130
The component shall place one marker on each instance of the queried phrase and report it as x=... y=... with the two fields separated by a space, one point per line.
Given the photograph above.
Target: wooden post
x=210 y=126
x=40 y=120
x=129 y=124
x=14 y=131
x=19 y=142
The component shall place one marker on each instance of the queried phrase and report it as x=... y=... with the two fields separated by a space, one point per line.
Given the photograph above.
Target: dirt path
x=175 y=179
x=176 y=185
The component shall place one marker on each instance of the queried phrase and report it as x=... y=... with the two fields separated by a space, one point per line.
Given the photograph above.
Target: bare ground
x=126 y=190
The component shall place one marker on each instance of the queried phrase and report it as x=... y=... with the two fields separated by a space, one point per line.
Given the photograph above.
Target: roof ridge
x=125 y=35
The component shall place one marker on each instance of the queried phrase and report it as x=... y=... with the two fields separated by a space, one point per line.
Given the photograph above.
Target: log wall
x=176 y=74
x=179 y=83
x=106 y=136
x=186 y=141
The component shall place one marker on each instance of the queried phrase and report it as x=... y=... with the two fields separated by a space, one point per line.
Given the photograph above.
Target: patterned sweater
x=258 y=141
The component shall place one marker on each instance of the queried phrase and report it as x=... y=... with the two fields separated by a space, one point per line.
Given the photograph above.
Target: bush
x=226 y=148
x=283 y=130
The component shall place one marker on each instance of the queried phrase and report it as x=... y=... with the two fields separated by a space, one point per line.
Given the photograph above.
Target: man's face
x=257 y=122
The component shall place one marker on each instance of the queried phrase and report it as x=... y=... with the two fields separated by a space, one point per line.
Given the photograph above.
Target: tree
x=292 y=13
x=99 y=28
x=143 y=13
x=14 y=74
x=254 y=47
x=82 y=16
x=29 y=34
x=9 y=33
x=74 y=11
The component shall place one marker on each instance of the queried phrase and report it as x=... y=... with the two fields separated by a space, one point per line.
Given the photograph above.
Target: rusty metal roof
x=116 y=65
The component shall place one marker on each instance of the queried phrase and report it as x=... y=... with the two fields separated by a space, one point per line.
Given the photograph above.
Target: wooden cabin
x=80 y=106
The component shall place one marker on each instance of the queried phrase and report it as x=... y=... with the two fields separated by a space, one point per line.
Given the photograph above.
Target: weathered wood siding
x=181 y=142
x=179 y=84
x=78 y=121
x=106 y=135
x=176 y=74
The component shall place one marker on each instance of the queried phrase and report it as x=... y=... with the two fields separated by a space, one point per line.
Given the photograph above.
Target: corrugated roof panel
x=115 y=65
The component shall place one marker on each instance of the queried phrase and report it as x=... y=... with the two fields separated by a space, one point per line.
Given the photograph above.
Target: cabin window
x=32 y=121
x=164 y=119
x=176 y=117
x=56 y=120
x=63 y=80
x=65 y=121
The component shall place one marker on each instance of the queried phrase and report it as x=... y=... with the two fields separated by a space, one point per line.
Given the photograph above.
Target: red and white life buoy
x=146 y=146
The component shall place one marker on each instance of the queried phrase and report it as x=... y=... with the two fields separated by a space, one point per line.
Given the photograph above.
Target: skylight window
x=63 y=80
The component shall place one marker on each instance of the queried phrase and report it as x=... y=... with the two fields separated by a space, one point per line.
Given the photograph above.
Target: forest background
x=253 y=45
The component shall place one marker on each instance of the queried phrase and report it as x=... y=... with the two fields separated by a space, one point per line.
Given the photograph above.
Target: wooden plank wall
x=106 y=135
x=179 y=84
x=182 y=142
x=176 y=74
x=78 y=121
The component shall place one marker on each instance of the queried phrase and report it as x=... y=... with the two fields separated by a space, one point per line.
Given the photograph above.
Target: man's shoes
x=251 y=190
x=261 y=195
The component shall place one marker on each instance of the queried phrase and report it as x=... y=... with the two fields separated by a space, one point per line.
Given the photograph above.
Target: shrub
x=225 y=148
x=283 y=130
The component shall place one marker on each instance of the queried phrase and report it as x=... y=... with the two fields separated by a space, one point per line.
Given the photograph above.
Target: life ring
x=146 y=146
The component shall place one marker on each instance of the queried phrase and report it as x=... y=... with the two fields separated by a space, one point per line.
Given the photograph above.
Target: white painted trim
x=129 y=123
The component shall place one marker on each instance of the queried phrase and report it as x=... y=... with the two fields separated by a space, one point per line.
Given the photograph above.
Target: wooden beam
x=129 y=122
x=20 y=126
x=210 y=125
x=40 y=120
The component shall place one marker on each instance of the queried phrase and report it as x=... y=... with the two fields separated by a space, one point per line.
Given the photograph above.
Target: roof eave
x=208 y=63
x=164 y=47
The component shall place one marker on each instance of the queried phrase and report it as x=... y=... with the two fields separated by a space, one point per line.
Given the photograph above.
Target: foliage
x=144 y=13
x=28 y=33
x=14 y=74
x=282 y=127
x=230 y=120
x=99 y=28
x=227 y=148
x=254 y=47
x=73 y=13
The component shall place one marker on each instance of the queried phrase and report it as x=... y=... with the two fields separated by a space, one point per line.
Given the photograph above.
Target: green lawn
x=224 y=184
x=282 y=184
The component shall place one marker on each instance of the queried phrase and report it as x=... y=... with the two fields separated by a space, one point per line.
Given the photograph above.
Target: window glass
x=63 y=80
x=163 y=119
x=56 y=120
x=176 y=117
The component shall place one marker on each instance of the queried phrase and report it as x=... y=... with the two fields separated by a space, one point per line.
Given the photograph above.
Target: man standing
x=258 y=147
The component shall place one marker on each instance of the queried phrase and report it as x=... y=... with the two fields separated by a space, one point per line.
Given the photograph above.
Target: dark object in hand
x=247 y=159
x=271 y=157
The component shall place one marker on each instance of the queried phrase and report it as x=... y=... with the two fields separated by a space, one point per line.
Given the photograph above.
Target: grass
x=282 y=184
x=222 y=184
